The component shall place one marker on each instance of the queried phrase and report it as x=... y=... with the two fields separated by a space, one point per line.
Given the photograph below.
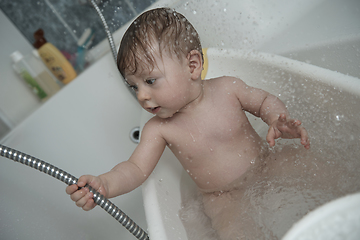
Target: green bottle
x=24 y=70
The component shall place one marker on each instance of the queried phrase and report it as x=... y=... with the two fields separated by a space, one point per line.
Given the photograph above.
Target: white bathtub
x=167 y=186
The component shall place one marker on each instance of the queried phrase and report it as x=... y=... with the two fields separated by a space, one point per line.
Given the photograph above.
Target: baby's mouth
x=155 y=110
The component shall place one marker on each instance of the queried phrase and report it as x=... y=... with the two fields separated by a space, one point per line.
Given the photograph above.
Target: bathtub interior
x=326 y=97
x=81 y=130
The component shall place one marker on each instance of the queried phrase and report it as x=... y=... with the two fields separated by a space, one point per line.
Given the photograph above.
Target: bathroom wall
x=18 y=21
x=64 y=21
x=16 y=99
x=329 y=37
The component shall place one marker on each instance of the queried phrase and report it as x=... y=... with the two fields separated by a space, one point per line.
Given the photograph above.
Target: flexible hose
x=67 y=178
x=109 y=37
x=107 y=31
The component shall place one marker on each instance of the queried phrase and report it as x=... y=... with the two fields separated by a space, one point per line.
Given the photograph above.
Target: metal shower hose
x=110 y=39
x=67 y=178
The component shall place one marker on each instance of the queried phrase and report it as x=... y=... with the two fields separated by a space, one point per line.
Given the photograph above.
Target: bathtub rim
x=347 y=83
x=323 y=213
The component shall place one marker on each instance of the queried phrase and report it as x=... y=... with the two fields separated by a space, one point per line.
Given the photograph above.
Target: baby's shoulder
x=227 y=83
x=159 y=125
x=154 y=123
x=225 y=80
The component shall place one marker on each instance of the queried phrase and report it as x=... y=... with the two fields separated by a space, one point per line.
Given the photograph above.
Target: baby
x=203 y=122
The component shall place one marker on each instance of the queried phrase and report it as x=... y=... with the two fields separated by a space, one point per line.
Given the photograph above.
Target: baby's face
x=166 y=89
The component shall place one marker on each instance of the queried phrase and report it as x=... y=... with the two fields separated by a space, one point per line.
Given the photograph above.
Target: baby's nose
x=143 y=95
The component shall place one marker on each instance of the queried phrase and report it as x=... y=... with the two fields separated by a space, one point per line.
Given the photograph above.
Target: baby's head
x=168 y=29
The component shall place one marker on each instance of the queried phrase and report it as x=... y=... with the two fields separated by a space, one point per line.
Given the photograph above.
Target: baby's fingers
x=304 y=138
x=86 y=179
x=90 y=204
x=295 y=122
x=71 y=189
x=79 y=195
x=306 y=143
x=83 y=198
x=271 y=136
x=86 y=202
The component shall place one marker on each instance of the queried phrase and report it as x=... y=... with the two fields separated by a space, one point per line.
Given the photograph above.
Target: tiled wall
x=59 y=17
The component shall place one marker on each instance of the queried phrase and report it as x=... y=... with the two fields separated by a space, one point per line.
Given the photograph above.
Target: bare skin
x=202 y=122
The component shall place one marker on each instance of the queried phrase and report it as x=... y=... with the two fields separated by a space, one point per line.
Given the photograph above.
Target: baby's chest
x=210 y=129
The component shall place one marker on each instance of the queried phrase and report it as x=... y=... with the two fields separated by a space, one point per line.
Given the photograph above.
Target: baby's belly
x=218 y=171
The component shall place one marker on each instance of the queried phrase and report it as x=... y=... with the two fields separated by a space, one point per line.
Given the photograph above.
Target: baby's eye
x=133 y=87
x=150 y=81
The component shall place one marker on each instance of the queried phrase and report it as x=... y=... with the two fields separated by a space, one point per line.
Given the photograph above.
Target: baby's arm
x=273 y=112
x=125 y=176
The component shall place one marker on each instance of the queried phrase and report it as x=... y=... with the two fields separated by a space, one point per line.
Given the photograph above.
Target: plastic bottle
x=23 y=68
x=44 y=77
x=54 y=59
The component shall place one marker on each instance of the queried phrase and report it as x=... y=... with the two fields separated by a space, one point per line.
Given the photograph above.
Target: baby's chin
x=165 y=115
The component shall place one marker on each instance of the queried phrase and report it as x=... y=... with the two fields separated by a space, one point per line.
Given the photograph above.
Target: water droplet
x=339 y=117
x=186 y=4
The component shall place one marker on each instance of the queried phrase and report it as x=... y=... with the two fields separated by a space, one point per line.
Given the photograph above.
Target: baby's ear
x=195 y=64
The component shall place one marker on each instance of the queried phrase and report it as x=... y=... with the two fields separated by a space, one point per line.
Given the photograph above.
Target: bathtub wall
x=325 y=33
x=329 y=37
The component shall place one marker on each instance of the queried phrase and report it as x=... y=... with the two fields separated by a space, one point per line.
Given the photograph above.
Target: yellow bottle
x=54 y=59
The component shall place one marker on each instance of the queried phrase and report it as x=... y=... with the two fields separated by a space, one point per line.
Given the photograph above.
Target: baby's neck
x=198 y=97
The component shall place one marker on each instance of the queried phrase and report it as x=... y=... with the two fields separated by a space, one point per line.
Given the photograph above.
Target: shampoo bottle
x=23 y=68
x=44 y=77
x=54 y=59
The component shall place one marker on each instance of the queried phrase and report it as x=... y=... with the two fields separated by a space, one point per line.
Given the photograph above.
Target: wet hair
x=163 y=26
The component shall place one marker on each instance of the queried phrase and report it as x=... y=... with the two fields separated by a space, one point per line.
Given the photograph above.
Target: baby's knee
x=215 y=203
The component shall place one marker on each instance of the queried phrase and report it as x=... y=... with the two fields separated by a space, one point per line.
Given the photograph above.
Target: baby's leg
x=229 y=216
x=289 y=183
x=219 y=208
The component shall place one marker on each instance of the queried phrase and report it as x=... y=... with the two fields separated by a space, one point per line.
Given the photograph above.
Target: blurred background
x=63 y=22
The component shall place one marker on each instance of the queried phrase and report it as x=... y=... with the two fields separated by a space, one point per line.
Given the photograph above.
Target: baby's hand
x=83 y=197
x=285 y=128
